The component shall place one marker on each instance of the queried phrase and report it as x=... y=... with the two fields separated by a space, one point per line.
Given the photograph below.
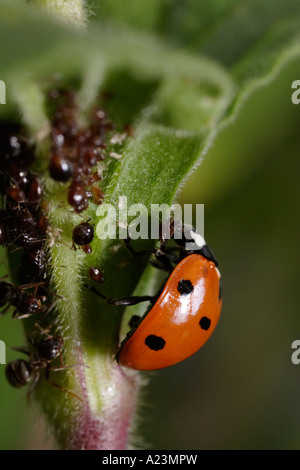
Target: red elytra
x=181 y=320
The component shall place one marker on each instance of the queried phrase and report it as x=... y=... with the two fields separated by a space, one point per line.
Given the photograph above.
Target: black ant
x=21 y=372
x=34 y=265
x=24 y=228
x=25 y=304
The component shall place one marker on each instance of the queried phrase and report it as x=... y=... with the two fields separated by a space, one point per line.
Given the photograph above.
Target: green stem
x=104 y=418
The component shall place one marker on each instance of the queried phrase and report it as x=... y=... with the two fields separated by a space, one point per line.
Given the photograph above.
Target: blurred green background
x=240 y=391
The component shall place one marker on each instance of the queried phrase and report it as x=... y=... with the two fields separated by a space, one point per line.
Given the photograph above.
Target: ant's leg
x=5 y=277
x=48 y=310
x=22 y=350
x=17 y=316
x=63 y=389
x=124 y=301
x=2 y=312
x=42 y=330
x=60 y=387
x=36 y=285
x=33 y=383
x=64 y=366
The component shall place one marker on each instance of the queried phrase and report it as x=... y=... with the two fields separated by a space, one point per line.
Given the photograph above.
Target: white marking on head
x=198 y=239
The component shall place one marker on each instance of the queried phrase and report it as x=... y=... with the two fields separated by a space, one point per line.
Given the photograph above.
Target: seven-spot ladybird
x=181 y=320
x=184 y=314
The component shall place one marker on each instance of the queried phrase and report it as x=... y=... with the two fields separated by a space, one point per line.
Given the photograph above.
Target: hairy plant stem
x=102 y=413
x=95 y=405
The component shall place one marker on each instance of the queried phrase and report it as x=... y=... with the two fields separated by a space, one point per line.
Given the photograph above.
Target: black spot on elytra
x=204 y=323
x=185 y=287
x=155 y=342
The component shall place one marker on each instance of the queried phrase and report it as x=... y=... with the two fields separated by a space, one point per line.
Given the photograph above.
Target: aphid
x=15 y=193
x=60 y=168
x=43 y=221
x=35 y=189
x=77 y=196
x=24 y=229
x=87 y=249
x=83 y=234
x=90 y=155
x=97 y=194
x=96 y=274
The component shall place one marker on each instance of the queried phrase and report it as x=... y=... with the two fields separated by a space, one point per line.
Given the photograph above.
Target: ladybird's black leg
x=42 y=330
x=138 y=254
x=164 y=260
x=123 y=301
x=127 y=301
x=135 y=253
x=95 y=291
